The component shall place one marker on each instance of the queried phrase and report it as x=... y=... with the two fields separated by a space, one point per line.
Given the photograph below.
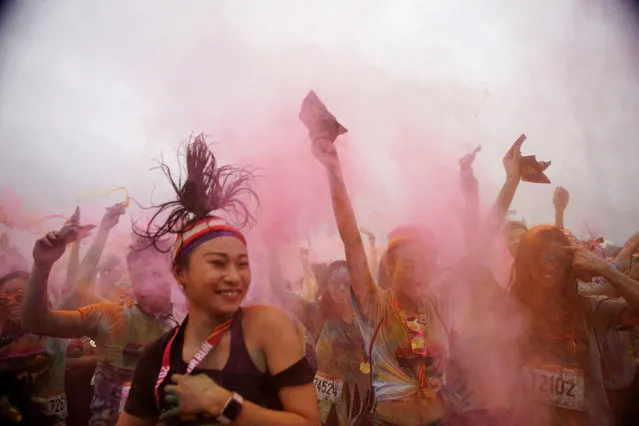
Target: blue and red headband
x=201 y=231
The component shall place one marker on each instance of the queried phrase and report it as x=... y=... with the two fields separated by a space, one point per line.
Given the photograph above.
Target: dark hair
x=208 y=187
x=12 y=276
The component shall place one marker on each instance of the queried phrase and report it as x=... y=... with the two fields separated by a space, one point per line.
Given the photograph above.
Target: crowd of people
x=395 y=339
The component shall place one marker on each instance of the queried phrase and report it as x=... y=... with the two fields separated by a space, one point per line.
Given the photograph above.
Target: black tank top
x=238 y=375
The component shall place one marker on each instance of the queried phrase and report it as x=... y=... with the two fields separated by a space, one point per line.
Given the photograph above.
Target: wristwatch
x=231 y=409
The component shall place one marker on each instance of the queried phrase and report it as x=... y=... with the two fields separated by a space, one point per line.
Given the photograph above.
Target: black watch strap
x=231 y=409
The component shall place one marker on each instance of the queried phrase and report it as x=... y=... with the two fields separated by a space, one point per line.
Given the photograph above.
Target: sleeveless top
x=238 y=375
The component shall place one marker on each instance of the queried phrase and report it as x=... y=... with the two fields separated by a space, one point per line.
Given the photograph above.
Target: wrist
x=608 y=270
x=42 y=268
x=216 y=400
x=231 y=409
x=334 y=169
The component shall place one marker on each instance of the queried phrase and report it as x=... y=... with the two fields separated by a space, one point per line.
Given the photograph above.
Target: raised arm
x=310 y=287
x=373 y=256
x=84 y=291
x=37 y=316
x=73 y=265
x=306 y=312
x=560 y=200
x=497 y=214
x=362 y=282
x=470 y=191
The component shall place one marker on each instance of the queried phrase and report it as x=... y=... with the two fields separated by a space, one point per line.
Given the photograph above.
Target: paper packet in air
x=75 y=233
x=317 y=118
x=533 y=170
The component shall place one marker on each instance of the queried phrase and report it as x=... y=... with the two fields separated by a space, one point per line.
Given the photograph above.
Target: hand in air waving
x=468 y=181
x=561 y=198
x=324 y=150
x=112 y=216
x=512 y=160
x=304 y=255
x=49 y=249
x=467 y=160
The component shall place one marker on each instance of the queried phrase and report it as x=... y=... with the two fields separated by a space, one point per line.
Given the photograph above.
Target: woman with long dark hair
x=342 y=381
x=561 y=374
x=224 y=363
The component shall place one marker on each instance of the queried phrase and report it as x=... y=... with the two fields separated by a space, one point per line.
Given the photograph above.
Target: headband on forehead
x=408 y=234
x=201 y=231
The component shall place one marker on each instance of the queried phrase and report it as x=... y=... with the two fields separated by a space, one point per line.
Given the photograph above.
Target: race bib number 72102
x=556 y=386
x=55 y=406
x=327 y=389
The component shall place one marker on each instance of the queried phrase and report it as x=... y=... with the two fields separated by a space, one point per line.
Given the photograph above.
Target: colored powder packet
x=533 y=171
x=317 y=118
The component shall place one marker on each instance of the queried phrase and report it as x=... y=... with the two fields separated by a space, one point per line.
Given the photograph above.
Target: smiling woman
x=224 y=363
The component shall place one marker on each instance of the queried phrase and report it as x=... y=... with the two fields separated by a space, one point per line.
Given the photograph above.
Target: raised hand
x=324 y=150
x=467 y=160
x=369 y=234
x=50 y=248
x=512 y=159
x=112 y=216
x=467 y=179
x=561 y=198
x=304 y=255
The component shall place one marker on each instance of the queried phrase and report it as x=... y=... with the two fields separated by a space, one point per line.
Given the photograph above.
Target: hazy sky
x=91 y=92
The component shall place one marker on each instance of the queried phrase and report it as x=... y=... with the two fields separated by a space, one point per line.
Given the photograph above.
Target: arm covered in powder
x=497 y=214
x=84 y=291
x=37 y=316
x=362 y=284
x=470 y=191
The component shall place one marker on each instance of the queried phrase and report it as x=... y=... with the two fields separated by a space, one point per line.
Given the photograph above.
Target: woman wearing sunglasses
x=342 y=382
x=224 y=363
x=403 y=325
x=561 y=374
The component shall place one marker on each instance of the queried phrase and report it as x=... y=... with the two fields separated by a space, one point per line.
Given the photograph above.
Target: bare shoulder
x=267 y=317
x=273 y=336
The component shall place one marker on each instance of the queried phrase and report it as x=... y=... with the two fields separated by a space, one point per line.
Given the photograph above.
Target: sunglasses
x=336 y=283
x=557 y=258
x=417 y=340
x=11 y=298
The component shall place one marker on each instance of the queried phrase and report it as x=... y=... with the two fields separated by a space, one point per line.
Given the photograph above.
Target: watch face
x=233 y=409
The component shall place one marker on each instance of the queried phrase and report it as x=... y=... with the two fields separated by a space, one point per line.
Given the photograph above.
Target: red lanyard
x=205 y=349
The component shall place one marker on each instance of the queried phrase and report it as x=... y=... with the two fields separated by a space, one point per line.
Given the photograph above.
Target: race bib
x=328 y=388
x=55 y=406
x=125 y=394
x=556 y=386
